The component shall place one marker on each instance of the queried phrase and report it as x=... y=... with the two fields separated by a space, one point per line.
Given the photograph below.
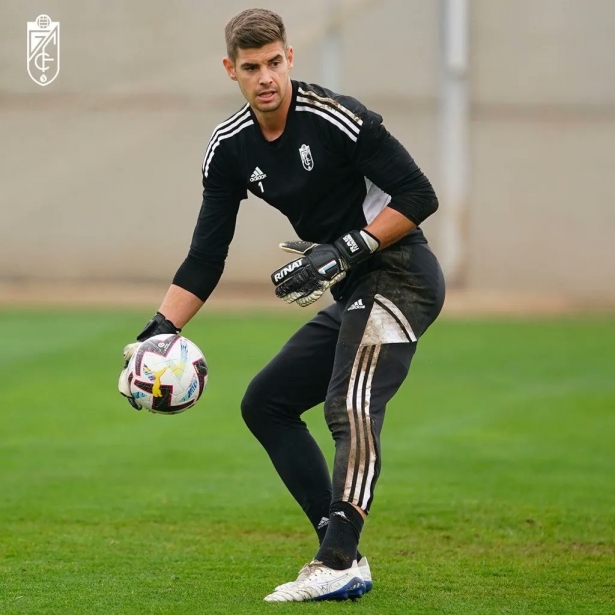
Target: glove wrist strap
x=372 y=243
x=157 y=325
x=356 y=246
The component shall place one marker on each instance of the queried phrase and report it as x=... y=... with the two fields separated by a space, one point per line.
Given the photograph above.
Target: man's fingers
x=298 y=247
x=291 y=297
x=301 y=284
x=130 y=349
x=124 y=388
x=122 y=384
x=283 y=274
x=305 y=279
x=305 y=294
x=134 y=404
x=311 y=298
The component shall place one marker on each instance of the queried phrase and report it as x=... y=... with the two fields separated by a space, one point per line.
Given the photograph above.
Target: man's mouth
x=265 y=96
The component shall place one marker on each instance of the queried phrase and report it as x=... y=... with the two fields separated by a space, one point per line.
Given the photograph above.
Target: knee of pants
x=252 y=405
x=261 y=405
x=336 y=415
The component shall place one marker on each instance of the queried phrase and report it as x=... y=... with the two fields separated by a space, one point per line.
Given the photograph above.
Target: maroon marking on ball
x=149 y=346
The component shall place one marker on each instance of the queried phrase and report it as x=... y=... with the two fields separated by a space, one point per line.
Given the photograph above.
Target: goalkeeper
x=355 y=198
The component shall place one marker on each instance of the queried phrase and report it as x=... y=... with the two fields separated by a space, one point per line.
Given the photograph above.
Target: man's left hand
x=305 y=279
x=123 y=383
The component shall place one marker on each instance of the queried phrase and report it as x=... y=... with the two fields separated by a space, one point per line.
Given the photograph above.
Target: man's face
x=263 y=75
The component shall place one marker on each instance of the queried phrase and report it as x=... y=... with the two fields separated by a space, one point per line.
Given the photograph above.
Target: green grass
x=497 y=493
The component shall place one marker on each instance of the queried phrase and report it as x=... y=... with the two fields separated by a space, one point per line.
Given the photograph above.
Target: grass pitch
x=497 y=494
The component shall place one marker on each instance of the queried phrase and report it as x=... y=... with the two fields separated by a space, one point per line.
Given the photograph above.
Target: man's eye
x=276 y=63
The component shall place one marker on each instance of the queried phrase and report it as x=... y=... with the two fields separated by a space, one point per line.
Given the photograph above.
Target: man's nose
x=265 y=76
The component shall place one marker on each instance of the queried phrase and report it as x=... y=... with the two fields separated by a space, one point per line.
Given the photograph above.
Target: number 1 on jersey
x=261 y=187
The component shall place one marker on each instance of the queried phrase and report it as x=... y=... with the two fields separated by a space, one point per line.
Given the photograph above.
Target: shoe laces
x=317 y=566
x=312 y=566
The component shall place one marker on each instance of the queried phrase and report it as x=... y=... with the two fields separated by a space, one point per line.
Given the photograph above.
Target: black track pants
x=354 y=356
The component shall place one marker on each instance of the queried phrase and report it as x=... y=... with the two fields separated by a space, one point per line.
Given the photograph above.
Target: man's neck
x=272 y=124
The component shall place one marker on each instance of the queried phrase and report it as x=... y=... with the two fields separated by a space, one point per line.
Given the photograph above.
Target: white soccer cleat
x=320 y=582
x=303 y=574
x=366 y=574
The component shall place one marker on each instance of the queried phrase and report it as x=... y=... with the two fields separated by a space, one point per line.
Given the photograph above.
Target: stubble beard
x=273 y=109
x=267 y=108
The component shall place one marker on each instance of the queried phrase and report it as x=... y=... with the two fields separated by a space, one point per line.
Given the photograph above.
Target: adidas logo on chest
x=257 y=175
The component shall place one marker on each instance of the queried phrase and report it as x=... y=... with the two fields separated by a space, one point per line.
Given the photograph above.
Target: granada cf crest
x=43 y=49
x=306 y=157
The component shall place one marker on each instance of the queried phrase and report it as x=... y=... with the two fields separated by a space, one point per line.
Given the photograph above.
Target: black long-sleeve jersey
x=334 y=169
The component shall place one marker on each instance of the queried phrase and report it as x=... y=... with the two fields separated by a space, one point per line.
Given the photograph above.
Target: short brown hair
x=253 y=28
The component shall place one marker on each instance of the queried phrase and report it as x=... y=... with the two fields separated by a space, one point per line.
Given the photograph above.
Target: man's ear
x=230 y=68
x=290 y=57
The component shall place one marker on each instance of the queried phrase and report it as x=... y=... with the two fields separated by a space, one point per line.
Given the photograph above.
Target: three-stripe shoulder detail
x=330 y=110
x=229 y=128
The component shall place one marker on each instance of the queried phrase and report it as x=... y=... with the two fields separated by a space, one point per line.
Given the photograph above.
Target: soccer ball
x=167 y=374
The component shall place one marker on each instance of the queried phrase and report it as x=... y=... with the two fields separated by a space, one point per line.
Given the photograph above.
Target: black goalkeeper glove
x=156 y=326
x=306 y=279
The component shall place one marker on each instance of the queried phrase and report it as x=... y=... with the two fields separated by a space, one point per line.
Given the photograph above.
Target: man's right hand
x=156 y=326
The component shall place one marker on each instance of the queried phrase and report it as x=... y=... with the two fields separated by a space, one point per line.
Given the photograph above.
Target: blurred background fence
x=100 y=174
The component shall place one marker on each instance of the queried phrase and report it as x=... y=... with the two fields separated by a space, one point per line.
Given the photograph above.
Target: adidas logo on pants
x=357 y=305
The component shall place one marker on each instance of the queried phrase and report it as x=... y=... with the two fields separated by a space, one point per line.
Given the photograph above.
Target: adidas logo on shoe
x=357 y=305
x=324 y=521
x=257 y=175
